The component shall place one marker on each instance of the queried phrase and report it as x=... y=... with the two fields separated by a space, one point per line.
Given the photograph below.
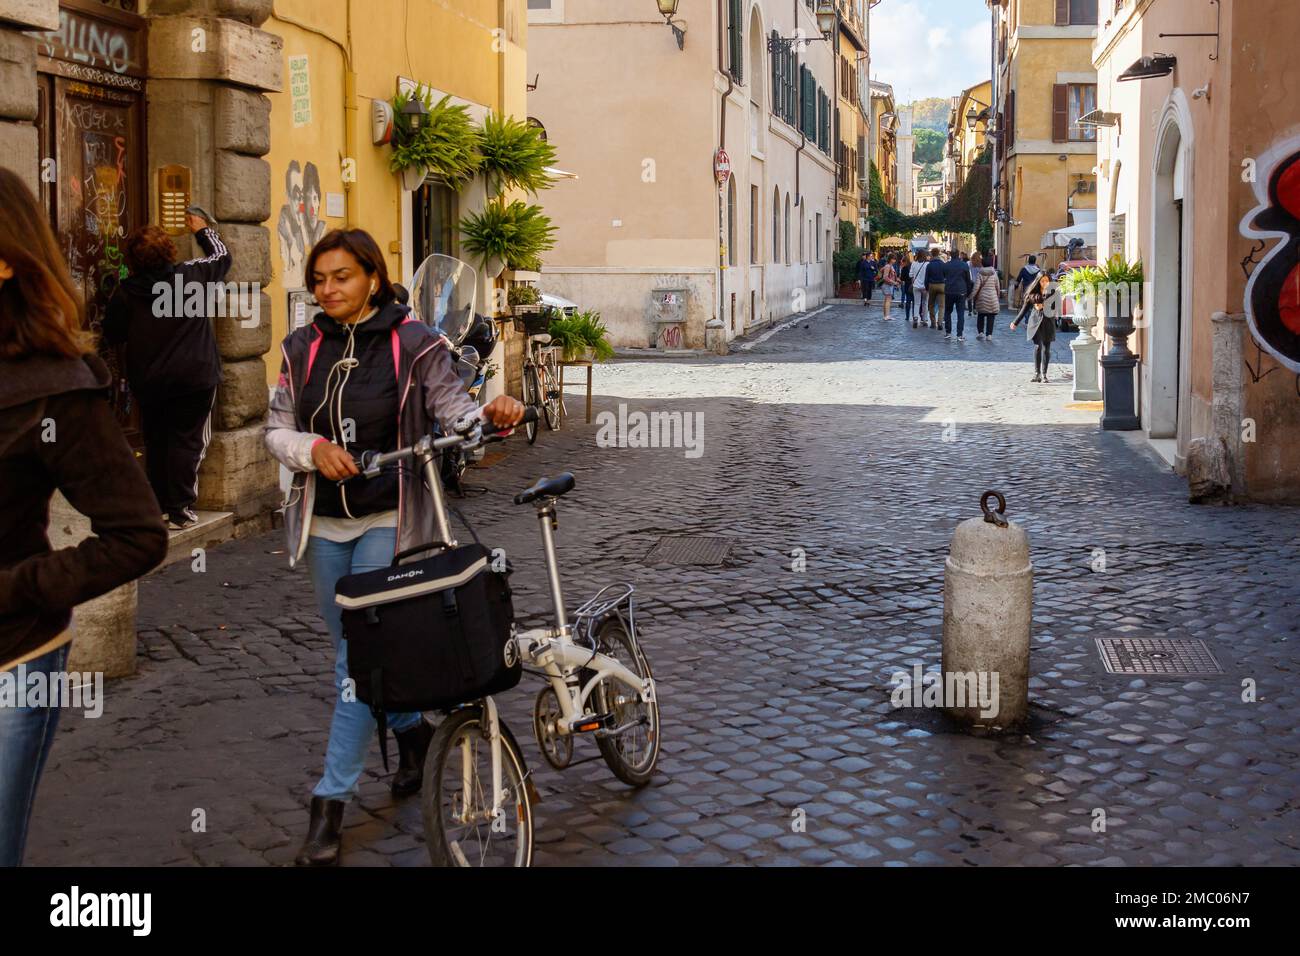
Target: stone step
x=213 y=528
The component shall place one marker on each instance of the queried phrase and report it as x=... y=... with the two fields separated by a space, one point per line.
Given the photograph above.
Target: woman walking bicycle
x=366 y=375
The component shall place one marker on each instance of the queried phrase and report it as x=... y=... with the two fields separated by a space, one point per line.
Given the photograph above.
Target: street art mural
x=300 y=226
x=1272 y=302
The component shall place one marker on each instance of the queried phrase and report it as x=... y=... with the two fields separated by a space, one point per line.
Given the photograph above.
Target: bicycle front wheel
x=461 y=826
x=532 y=398
x=631 y=749
x=551 y=397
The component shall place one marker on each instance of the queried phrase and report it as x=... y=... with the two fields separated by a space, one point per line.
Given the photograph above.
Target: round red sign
x=722 y=165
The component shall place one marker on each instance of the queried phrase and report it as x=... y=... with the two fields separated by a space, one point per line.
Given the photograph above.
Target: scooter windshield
x=442 y=295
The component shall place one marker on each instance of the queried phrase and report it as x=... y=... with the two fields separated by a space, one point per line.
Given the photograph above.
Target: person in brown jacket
x=57 y=433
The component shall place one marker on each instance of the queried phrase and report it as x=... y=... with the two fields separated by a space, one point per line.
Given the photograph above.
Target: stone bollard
x=988 y=590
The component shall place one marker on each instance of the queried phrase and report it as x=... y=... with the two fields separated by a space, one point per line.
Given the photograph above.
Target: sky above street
x=929 y=47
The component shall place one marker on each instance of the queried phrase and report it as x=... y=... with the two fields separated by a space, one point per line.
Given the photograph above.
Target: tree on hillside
x=931 y=113
x=929 y=146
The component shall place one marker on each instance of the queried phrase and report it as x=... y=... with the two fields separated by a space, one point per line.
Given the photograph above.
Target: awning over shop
x=1087 y=231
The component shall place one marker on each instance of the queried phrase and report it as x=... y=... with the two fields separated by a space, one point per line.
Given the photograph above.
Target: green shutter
x=737 y=38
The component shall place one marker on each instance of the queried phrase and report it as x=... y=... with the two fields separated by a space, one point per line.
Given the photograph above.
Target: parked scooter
x=442 y=296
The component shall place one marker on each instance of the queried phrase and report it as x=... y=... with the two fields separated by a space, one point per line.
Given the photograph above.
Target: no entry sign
x=722 y=166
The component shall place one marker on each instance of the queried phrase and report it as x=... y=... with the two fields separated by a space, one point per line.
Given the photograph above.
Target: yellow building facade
x=327 y=172
x=1044 y=163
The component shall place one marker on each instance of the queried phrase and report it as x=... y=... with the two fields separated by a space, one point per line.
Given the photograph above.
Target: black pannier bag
x=428 y=635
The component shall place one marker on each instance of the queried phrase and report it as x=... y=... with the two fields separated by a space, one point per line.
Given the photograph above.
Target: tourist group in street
x=933 y=285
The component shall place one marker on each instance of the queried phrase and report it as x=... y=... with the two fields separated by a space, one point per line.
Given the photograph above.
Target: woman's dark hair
x=362 y=247
x=39 y=307
x=310 y=183
x=149 y=249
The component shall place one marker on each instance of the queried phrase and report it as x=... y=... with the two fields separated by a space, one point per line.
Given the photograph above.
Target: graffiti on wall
x=1272 y=301
x=300 y=226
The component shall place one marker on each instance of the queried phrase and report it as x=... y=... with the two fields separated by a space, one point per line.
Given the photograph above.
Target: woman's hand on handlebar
x=503 y=411
x=332 y=461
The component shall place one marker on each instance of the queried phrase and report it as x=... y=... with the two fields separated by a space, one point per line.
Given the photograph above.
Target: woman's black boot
x=321 y=848
x=412 y=745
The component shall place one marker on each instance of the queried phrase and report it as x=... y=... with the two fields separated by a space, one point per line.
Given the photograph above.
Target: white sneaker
x=980 y=337
x=961 y=338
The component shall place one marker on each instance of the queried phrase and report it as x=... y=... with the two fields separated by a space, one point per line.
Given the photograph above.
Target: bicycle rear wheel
x=461 y=827
x=633 y=753
x=532 y=398
x=552 y=397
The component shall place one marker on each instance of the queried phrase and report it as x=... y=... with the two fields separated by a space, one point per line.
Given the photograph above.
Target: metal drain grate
x=1157 y=656
x=690 y=550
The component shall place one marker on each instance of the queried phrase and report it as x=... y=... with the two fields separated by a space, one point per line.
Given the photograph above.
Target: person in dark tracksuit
x=172 y=362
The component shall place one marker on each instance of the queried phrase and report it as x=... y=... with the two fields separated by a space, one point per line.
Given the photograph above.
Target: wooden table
x=580 y=363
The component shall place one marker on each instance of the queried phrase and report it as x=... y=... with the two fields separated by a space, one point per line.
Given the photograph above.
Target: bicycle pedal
x=591 y=722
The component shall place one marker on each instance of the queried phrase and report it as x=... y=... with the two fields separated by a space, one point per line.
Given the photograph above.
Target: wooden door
x=99 y=198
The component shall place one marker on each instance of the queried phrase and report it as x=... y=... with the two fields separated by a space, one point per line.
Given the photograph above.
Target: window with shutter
x=1062 y=13
x=1060 y=113
x=735 y=36
x=1011 y=118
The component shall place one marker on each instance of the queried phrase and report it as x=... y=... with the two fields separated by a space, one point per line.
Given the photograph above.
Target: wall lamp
x=668 y=10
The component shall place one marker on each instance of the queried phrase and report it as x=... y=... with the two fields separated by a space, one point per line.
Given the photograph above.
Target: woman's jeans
x=984 y=322
x=1042 y=356
x=352 y=727
x=909 y=298
x=26 y=734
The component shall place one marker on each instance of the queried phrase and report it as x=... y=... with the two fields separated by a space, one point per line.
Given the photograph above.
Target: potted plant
x=1081 y=286
x=508 y=234
x=446 y=144
x=581 y=337
x=515 y=156
x=1118 y=292
x=524 y=299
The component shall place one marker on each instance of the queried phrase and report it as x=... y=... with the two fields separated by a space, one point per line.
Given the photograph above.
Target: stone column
x=19 y=145
x=1215 y=467
x=208 y=111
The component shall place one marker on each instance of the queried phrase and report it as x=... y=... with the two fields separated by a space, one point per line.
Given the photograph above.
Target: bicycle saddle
x=547 y=488
x=541 y=338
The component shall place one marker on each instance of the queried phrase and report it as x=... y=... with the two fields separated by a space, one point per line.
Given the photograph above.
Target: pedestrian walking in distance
x=1027 y=277
x=984 y=298
x=934 y=286
x=867 y=276
x=172 y=362
x=57 y=433
x=918 y=285
x=1040 y=326
x=956 y=290
x=340 y=391
x=888 y=282
x=905 y=284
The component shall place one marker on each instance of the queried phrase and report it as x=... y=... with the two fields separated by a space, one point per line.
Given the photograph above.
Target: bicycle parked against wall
x=541 y=373
x=477 y=797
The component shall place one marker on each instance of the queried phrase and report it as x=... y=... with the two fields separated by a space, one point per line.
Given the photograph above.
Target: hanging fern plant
x=447 y=144
x=514 y=155
x=515 y=233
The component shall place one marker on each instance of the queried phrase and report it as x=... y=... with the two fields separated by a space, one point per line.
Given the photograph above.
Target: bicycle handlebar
x=471 y=431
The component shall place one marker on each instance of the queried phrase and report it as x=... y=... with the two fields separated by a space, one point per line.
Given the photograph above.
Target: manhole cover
x=690 y=550
x=1157 y=655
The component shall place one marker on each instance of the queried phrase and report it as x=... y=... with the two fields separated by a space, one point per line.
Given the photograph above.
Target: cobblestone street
x=858 y=444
